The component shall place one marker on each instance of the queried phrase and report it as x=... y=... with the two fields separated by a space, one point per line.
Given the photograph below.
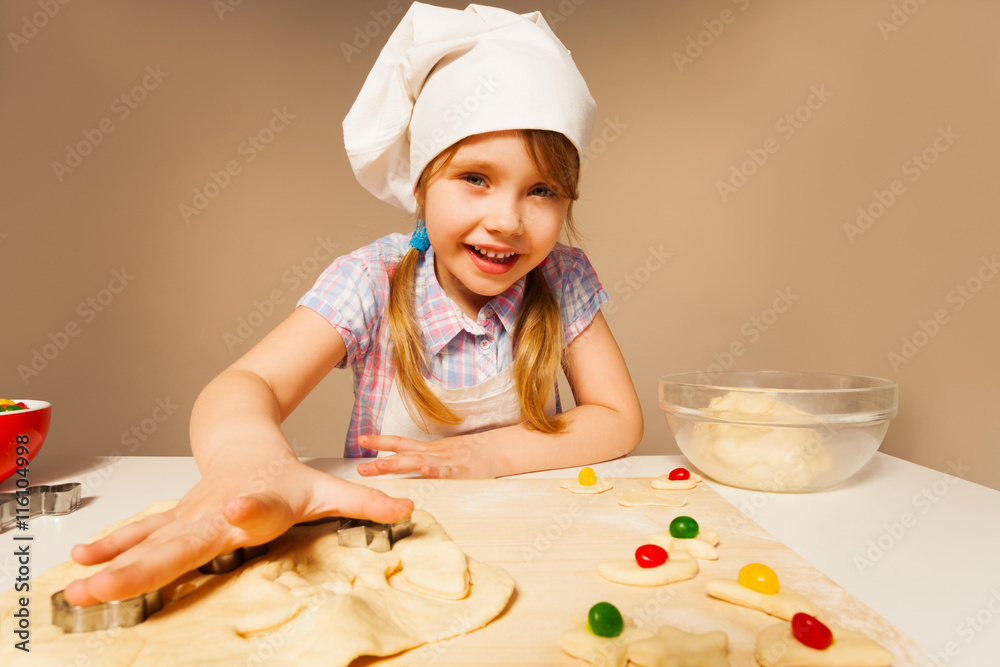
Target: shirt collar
x=441 y=319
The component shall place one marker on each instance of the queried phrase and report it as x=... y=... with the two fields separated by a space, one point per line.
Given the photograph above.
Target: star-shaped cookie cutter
x=125 y=613
x=40 y=500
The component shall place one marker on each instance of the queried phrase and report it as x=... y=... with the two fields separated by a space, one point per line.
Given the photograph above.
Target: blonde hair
x=538 y=331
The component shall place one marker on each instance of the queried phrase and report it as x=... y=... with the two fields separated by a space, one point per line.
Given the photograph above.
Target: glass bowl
x=781 y=431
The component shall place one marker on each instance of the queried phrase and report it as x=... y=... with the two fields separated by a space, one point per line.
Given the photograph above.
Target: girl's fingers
x=177 y=549
x=342 y=498
x=151 y=553
x=391 y=443
x=123 y=539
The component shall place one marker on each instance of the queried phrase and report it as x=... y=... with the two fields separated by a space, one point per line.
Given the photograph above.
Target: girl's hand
x=459 y=457
x=218 y=515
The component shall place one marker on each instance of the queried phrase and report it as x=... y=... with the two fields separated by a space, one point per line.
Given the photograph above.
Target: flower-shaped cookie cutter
x=40 y=500
x=378 y=537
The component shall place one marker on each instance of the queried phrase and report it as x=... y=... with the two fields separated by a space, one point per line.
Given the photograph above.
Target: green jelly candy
x=604 y=620
x=684 y=527
x=10 y=408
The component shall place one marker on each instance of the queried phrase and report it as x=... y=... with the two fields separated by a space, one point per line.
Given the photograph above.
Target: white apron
x=488 y=405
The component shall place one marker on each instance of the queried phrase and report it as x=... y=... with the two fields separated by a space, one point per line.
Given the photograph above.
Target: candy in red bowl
x=24 y=423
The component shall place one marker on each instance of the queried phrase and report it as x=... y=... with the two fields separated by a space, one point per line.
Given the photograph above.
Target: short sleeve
x=350 y=294
x=576 y=286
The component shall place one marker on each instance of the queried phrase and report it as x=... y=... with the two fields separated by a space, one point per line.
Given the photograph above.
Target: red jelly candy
x=679 y=473
x=650 y=555
x=811 y=632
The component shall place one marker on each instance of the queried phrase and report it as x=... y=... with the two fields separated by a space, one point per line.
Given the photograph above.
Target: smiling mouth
x=492 y=256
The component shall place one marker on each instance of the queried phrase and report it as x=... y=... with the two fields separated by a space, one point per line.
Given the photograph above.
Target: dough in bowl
x=778 y=458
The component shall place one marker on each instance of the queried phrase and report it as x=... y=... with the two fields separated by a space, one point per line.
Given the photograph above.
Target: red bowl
x=22 y=428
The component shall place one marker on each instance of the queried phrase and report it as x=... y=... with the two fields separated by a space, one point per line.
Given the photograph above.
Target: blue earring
x=419 y=239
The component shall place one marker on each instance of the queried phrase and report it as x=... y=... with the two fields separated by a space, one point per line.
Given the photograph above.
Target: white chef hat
x=447 y=74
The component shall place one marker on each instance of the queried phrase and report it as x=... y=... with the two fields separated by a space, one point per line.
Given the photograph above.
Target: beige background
x=133 y=356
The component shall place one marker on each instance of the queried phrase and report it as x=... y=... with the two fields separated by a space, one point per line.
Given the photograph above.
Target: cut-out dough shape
x=326 y=603
x=777 y=647
x=680 y=566
x=701 y=546
x=672 y=647
x=574 y=486
x=601 y=651
x=784 y=604
x=650 y=499
x=664 y=483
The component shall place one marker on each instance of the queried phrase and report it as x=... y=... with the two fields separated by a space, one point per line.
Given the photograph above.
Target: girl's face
x=489 y=200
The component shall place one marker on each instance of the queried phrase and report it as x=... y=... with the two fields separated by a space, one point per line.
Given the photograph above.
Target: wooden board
x=551 y=541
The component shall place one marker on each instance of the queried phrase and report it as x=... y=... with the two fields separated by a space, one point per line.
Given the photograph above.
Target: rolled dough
x=664 y=483
x=601 y=651
x=701 y=546
x=574 y=486
x=784 y=604
x=680 y=566
x=777 y=647
x=672 y=647
x=308 y=601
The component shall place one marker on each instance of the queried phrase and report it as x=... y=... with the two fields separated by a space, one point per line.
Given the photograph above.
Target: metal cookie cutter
x=376 y=536
x=42 y=500
x=232 y=560
x=105 y=615
x=351 y=533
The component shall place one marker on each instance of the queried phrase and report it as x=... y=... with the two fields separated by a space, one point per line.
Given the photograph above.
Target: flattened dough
x=601 y=651
x=701 y=546
x=664 y=483
x=784 y=604
x=650 y=498
x=324 y=603
x=574 y=486
x=777 y=647
x=680 y=566
x=672 y=647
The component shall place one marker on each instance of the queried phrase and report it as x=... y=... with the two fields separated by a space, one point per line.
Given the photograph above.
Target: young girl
x=476 y=122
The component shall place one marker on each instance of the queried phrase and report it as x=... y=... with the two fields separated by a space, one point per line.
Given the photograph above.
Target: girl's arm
x=606 y=423
x=243 y=498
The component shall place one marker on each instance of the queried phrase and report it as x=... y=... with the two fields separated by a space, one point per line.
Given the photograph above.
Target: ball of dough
x=757 y=456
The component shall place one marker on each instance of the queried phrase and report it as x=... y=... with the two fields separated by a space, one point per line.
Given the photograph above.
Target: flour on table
x=650 y=499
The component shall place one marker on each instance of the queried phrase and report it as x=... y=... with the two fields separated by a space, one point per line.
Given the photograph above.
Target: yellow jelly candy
x=4 y=401
x=588 y=477
x=759 y=578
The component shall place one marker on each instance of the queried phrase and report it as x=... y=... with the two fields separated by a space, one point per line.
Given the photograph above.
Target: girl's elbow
x=633 y=430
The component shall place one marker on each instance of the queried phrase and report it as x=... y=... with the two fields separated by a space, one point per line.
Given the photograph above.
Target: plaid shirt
x=352 y=294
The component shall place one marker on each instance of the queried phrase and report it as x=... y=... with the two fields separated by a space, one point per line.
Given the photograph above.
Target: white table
x=917 y=545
